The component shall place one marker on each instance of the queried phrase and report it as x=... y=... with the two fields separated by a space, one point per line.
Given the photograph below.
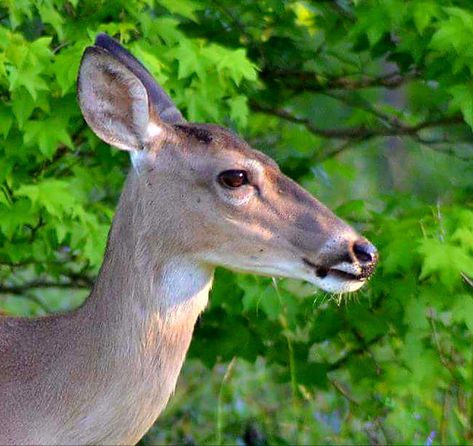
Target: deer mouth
x=339 y=274
x=334 y=272
x=342 y=272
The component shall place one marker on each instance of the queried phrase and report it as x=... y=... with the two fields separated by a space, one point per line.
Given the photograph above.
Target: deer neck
x=145 y=303
x=146 y=278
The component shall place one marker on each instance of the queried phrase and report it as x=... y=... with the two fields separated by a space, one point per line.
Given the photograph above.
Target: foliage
x=367 y=103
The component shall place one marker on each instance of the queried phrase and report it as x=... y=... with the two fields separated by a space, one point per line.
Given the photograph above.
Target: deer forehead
x=197 y=149
x=218 y=142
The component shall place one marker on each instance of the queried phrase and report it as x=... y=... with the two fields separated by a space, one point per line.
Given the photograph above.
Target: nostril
x=364 y=251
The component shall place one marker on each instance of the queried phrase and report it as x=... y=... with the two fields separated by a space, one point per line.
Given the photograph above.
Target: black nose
x=365 y=252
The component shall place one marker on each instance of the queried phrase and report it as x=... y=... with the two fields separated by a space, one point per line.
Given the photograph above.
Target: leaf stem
x=226 y=377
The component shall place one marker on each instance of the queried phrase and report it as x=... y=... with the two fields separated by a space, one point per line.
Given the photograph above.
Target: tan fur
x=103 y=373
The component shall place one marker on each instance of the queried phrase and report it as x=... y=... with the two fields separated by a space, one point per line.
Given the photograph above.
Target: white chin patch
x=330 y=283
x=337 y=285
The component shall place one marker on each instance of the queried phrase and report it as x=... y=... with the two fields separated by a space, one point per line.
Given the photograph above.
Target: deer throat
x=138 y=352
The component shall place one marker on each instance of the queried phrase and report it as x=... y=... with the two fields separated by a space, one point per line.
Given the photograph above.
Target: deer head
x=206 y=192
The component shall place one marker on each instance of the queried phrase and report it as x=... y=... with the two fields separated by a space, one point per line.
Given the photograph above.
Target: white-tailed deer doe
x=197 y=197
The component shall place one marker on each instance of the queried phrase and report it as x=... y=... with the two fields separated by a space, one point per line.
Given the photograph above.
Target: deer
x=197 y=197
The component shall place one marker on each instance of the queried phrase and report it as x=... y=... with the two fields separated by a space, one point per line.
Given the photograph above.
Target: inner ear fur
x=159 y=101
x=113 y=100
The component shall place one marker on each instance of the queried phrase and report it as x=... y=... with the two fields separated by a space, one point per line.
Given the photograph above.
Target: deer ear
x=159 y=101
x=120 y=100
x=113 y=100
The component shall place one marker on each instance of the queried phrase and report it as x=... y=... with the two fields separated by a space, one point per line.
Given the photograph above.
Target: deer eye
x=231 y=179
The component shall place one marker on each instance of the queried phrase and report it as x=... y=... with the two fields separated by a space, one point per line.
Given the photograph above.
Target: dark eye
x=232 y=179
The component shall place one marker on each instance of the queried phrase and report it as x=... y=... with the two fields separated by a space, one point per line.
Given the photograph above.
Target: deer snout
x=355 y=260
x=344 y=266
x=365 y=255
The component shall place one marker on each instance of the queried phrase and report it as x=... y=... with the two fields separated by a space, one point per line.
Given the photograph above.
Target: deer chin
x=333 y=282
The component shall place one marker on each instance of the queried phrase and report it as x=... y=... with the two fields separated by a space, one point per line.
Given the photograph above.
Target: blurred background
x=369 y=105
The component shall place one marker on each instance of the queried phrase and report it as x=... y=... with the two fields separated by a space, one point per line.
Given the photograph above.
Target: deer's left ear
x=120 y=100
x=113 y=101
x=160 y=103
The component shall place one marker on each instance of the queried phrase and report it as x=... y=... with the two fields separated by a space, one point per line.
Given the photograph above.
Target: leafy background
x=369 y=105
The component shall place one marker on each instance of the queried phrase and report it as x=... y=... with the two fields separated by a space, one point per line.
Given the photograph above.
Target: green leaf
x=238 y=65
x=3 y=70
x=54 y=195
x=6 y=120
x=28 y=77
x=47 y=134
x=22 y=106
x=445 y=260
x=48 y=14
x=199 y=105
x=187 y=54
x=424 y=13
x=185 y=8
x=15 y=216
x=66 y=66
x=369 y=324
x=260 y=294
x=19 y=10
x=465 y=237
x=239 y=110
x=415 y=315
x=312 y=373
x=28 y=66
x=95 y=244
x=6 y=166
x=463 y=311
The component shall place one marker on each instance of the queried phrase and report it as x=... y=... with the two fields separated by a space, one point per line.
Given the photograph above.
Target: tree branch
x=356 y=132
x=444 y=146
x=310 y=81
x=77 y=283
x=359 y=350
x=360 y=103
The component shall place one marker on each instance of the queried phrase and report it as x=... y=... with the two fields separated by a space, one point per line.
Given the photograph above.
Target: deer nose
x=365 y=253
